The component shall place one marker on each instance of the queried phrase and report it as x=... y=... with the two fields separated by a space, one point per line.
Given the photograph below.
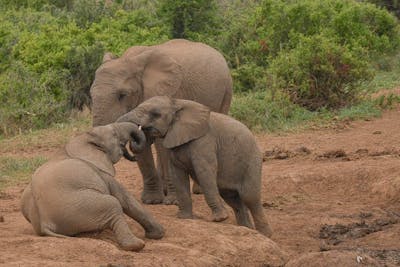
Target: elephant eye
x=121 y=96
x=155 y=114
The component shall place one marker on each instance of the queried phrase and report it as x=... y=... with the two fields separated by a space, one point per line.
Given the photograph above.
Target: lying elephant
x=76 y=191
x=219 y=153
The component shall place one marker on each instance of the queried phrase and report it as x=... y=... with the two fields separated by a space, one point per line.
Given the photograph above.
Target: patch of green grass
x=364 y=110
x=384 y=80
x=268 y=111
x=54 y=136
x=387 y=74
x=16 y=170
x=262 y=111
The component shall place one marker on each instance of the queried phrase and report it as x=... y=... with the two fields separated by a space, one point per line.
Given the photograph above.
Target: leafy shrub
x=319 y=73
x=349 y=22
x=253 y=38
x=28 y=100
x=188 y=16
x=391 y=5
x=49 y=62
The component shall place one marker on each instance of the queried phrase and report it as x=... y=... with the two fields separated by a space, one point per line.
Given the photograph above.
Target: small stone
x=377 y=132
x=282 y=155
x=364 y=215
x=324 y=247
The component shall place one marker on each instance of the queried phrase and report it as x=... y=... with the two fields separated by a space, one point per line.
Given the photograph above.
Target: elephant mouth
x=151 y=132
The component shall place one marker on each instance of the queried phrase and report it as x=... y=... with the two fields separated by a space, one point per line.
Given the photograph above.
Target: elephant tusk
x=140 y=127
x=128 y=155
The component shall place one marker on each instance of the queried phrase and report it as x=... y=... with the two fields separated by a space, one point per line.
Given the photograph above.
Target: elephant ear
x=191 y=122
x=108 y=56
x=85 y=147
x=161 y=74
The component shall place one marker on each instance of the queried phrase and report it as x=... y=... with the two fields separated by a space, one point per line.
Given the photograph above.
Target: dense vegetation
x=291 y=60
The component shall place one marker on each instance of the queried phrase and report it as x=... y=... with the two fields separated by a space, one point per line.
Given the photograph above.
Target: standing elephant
x=177 y=68
x=76 y=192
x=218 y=152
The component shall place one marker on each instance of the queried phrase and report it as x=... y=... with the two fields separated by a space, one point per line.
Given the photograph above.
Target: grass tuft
x=17 y=170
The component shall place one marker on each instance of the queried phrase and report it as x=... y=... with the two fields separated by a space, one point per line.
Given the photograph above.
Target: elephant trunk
x=131 y=132
x=132 y=117
x=128 y=155
x=138 y=142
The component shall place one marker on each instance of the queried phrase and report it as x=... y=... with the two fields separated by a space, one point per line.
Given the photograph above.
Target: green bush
x=186 y=17
x=48 y=63
x=252 y=38
x=318 y=73
x=29 y=100
x=349 y=22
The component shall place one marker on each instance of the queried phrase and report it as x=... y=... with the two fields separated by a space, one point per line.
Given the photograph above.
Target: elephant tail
x=226 y=101
x=48 y=232
x=30 y=210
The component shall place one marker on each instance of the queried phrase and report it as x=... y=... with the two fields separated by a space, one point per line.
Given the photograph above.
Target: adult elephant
x=177 y=68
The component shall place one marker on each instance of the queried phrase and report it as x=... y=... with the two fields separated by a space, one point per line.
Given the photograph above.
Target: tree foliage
x=186 y=17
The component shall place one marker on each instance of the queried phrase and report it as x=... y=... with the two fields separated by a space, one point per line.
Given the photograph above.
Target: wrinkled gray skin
x=76 y=192
x=177 y=68
x=217 y=151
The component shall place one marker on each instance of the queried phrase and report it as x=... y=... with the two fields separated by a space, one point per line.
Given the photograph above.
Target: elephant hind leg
x=96 y=211
x=253 y=203
x=241 y=212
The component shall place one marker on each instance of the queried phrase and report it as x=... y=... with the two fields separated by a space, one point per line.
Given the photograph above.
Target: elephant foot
x=220 y=216
x=185 y=215
x=156 y=233
x=170 y=200
x=152 y=197
x=265 y=230
x=196 y=189
x=133 y=244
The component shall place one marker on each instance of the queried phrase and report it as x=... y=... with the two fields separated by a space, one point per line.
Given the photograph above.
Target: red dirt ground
x=332 y=197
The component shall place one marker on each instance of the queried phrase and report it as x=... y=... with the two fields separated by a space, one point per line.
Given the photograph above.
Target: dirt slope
x=332 y=197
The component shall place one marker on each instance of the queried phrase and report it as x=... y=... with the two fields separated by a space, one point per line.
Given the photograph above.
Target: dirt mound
x=186 y=243
x=388 y=188
x=333 y=258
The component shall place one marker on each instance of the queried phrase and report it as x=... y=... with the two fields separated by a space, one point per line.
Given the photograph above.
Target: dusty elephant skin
x=217 y=151
x=177 y=68
x=76 y=192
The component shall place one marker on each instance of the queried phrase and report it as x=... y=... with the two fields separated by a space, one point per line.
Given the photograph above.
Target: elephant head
x=103 y=146
x=177 y=121
x=122 y=83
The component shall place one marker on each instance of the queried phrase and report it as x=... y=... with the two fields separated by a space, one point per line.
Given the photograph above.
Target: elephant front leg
x=135 y=210
x=152 y=184
x=206 y=173
x=124 y=236
x=181 y=182
x=164 y=167
x=196 y=189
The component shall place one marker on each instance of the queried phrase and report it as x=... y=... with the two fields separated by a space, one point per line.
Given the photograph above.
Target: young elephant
x=219 y=153
x=76 y=191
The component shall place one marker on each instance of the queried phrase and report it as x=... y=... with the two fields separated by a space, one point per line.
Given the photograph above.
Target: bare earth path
x=332 y=197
